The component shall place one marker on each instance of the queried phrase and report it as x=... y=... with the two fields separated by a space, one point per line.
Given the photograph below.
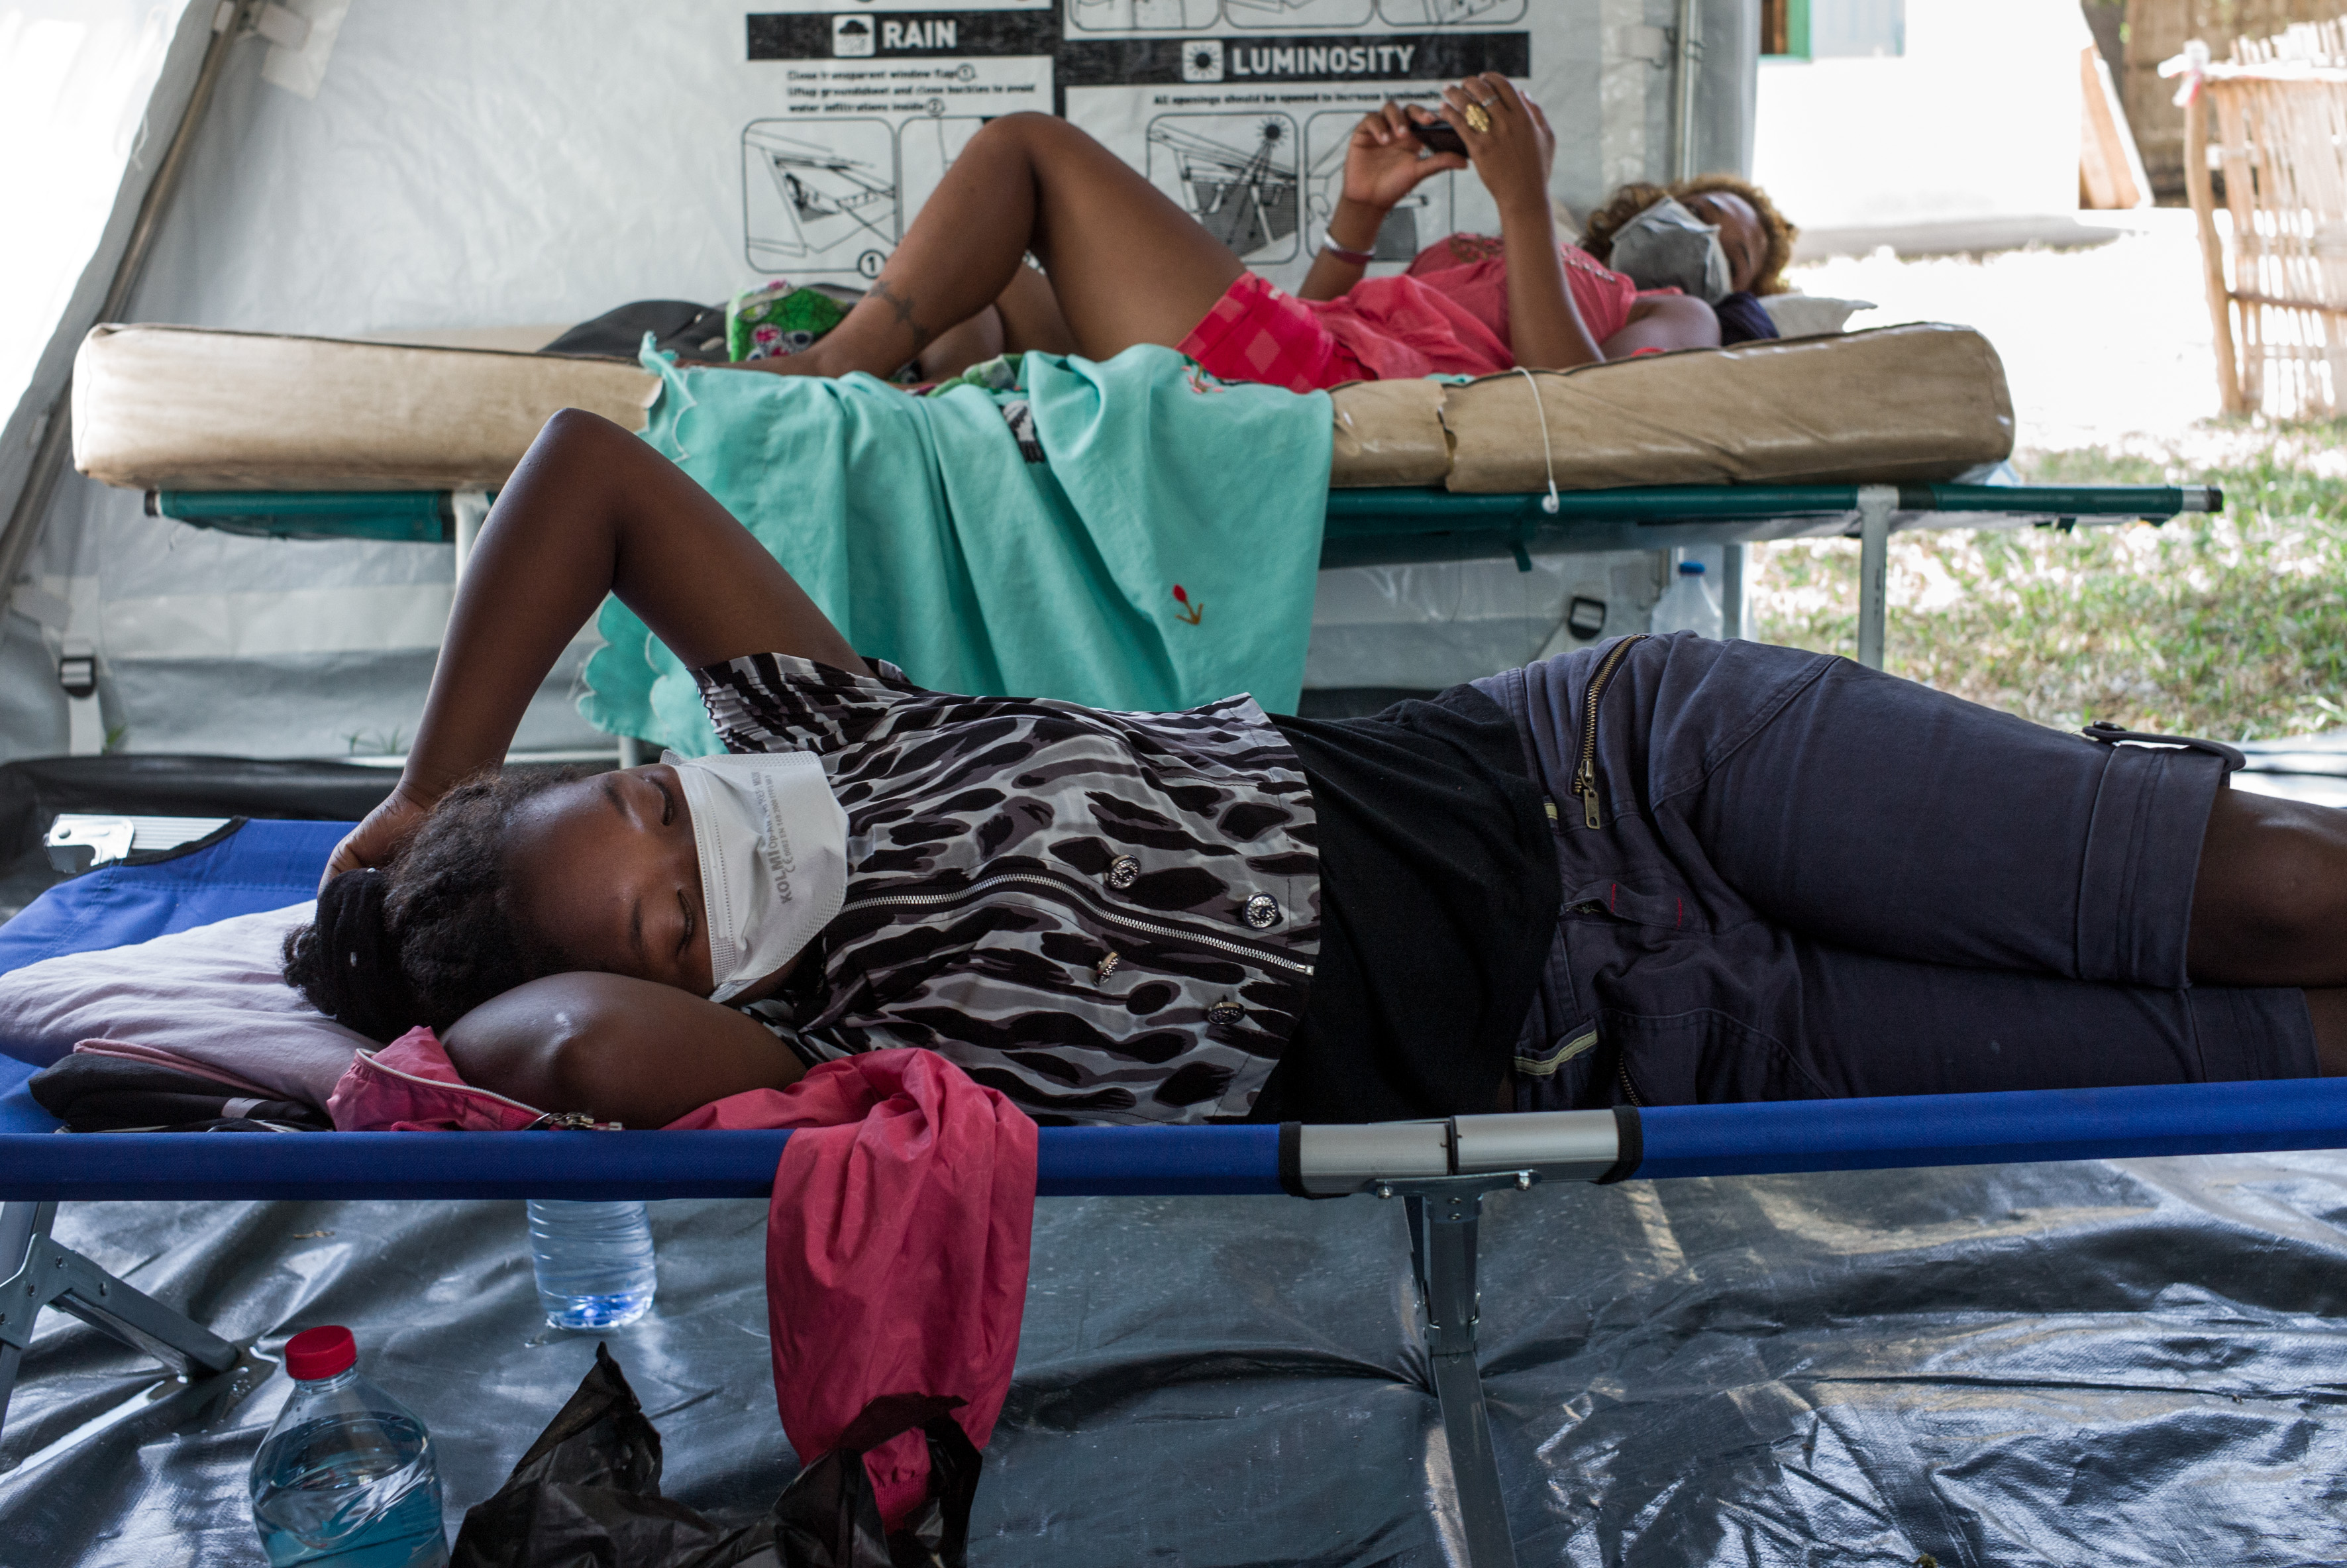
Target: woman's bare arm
x=1383 y=163
x=1666 y=322
x=591 y=510
x=1514 y=157
x=1355 y=227
x=621 y=1050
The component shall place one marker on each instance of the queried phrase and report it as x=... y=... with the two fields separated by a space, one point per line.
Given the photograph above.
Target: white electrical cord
x=1548 y=458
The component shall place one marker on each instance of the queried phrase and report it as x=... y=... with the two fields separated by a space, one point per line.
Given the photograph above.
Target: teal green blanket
x=1161 y=556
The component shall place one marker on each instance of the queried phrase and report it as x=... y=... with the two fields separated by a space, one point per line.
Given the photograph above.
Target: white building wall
x=1978 y=118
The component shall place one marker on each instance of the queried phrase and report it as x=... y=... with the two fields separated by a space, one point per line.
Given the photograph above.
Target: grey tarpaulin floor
x=2136 y=1362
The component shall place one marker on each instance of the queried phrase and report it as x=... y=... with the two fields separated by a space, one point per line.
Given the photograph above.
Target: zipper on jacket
x=1585 y=771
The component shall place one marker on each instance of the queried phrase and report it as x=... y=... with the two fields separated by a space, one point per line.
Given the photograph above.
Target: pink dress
x=1448 y=314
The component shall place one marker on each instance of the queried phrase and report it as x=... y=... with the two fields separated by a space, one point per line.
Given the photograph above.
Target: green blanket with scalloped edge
x=1162 y=555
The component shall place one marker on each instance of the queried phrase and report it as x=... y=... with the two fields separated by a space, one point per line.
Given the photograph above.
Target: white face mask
x=772 y=842
x=1668 y=247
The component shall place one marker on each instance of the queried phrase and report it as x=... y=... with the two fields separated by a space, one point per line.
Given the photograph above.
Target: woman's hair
x=434 y=934
x=1627 y=201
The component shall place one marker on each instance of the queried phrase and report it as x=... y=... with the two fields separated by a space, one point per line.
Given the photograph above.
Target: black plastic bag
x=587 y=1495
x=827 y=1517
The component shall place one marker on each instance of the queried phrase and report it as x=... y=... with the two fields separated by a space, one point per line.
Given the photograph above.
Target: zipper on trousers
x=1585 y=771
x=1622 y=1070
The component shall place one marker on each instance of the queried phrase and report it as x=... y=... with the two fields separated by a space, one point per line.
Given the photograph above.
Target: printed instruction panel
x=1239 y=111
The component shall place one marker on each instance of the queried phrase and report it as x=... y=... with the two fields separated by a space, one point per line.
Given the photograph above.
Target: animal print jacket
x=1107 y=916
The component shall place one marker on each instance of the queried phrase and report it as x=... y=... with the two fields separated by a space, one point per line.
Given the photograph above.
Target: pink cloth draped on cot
x=897 y=1239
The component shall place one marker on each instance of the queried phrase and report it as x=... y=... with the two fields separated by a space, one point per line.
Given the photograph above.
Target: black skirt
x=1438 y=898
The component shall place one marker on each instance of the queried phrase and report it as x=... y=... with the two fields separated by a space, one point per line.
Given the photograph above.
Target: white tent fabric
x=434 y=165
x=89 y=91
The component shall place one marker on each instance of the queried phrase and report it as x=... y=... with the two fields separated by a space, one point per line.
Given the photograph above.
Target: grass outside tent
x=2233 y=626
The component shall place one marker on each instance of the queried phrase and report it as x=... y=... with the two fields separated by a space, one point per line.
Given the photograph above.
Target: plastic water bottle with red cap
x=346 y=1476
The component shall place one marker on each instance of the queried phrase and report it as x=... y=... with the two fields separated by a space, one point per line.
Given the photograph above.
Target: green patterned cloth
x=776 y=319
x=1162 y=554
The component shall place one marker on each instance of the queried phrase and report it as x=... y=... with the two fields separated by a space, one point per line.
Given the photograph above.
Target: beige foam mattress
x=187 y=408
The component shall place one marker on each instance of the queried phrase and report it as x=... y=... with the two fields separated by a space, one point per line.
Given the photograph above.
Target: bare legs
x=1126 y=265
x=2270 y=908
x=1031 y=317
x=1024 y=316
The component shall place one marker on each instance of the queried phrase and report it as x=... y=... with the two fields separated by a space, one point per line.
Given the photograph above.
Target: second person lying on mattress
x=1127 y=266
x=1660 y=869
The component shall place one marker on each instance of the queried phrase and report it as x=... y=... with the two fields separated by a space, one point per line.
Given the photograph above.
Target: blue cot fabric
x=19 y=1112
x=2021 y=1125
x=1161 y=556
x=259 y=866
x=1070 y=1161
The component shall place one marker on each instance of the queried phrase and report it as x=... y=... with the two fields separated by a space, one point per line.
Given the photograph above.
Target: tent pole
x=1683 y=88
x=230 y=22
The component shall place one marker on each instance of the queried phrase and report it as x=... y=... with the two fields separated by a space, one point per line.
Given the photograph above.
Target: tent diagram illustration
x=819 y=202
x=1416 y=221
x=1449 y=13
x=1246 y=195
x=1296 y=13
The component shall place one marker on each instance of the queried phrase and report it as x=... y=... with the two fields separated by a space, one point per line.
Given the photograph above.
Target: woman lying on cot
x=1657 y=234
x=1127 y=266
x=1656 y=870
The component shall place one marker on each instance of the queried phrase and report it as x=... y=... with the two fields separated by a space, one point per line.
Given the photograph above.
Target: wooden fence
x=2277 y=279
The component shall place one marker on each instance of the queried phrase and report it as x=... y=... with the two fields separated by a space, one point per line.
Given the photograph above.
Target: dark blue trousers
x=1811 y=879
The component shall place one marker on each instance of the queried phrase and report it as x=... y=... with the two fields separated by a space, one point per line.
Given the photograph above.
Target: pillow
x=212 y=997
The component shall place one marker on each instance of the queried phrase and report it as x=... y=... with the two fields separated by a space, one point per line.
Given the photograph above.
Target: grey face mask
x=1668 y=247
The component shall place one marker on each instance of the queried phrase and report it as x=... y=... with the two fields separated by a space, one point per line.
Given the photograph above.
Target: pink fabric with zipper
x=896 y=1240
x=410 y=1086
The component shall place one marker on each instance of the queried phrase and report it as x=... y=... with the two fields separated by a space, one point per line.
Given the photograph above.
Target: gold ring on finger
x=1478 y=119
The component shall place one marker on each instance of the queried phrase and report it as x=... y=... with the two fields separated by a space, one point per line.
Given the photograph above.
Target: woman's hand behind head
x=380 y=834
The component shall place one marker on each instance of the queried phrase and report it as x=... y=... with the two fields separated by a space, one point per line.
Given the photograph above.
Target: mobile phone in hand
x=1439 y=135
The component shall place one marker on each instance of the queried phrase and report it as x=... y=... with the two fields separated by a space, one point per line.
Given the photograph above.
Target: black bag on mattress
x=108 y=1094
x=589 y=1491
x=678 y=327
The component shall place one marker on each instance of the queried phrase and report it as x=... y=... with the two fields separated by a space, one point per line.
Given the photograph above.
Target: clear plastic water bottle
x=1688 y=606
x=594 y=1262
x=346 y=1476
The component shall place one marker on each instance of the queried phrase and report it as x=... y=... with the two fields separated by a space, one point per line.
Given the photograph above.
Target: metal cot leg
x=1734 y=591
x=44 y=1274
x=1442 y=1228
x=1875 y=505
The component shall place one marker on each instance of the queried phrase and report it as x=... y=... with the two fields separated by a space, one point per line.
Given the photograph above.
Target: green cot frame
x=1393 y=527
